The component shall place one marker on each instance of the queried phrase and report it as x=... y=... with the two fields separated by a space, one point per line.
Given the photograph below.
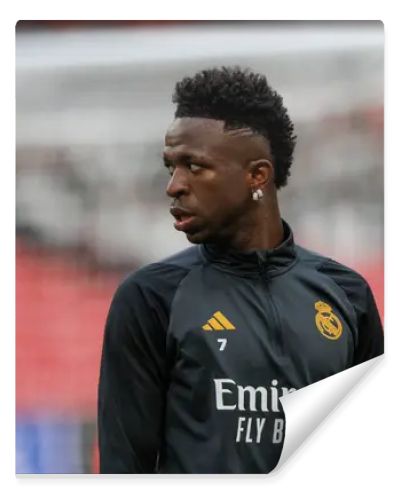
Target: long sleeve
x=131 y=394
x=369 y=332
x=370 y=339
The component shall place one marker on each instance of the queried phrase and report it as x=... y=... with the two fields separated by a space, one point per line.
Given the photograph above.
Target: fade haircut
x=240 y=98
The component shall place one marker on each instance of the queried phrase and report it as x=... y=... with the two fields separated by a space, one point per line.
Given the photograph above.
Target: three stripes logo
x=218 y=322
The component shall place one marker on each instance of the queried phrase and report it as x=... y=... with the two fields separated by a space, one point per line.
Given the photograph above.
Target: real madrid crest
x=327 y=322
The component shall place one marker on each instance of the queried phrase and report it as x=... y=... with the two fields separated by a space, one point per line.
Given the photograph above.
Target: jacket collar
x=266 y=263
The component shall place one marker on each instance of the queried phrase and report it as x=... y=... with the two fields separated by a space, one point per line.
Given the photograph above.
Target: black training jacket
x=199 y=347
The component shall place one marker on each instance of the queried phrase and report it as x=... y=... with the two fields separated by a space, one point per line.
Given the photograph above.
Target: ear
x=261 y=173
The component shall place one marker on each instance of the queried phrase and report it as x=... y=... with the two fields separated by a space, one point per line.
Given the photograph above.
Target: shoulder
x=162 y=277
x=308 y=257
x=327 y=265
x=352 y=282
x=369 y=333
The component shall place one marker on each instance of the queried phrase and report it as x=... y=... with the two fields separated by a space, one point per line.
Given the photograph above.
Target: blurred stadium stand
x=93 y=103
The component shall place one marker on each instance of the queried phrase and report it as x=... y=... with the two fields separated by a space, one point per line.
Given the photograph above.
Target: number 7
x=223 y=344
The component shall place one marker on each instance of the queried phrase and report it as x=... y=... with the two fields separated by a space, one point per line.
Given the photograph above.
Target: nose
x=178 y=184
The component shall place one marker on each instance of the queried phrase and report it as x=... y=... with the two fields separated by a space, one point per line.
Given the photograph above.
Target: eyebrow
x=183 y=157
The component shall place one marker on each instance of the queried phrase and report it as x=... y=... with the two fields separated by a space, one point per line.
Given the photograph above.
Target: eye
x=170 y=169
x=193 y=167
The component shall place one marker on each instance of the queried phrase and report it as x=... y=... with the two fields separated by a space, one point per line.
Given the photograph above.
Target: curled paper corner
x=308 y=407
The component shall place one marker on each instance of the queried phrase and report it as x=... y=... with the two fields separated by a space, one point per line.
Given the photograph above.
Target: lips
x=183 y=219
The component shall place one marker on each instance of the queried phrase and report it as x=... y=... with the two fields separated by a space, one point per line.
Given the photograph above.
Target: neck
x=262 y=230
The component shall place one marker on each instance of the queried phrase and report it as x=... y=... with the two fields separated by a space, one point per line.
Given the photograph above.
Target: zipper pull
x=262 y=263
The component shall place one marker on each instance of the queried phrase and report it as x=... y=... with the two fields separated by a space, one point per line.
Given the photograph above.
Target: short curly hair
x=240 y=98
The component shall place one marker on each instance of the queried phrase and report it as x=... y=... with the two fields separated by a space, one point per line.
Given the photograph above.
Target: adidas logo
x=218 y=322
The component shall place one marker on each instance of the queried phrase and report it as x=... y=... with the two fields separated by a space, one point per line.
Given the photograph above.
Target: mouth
x=183 y=219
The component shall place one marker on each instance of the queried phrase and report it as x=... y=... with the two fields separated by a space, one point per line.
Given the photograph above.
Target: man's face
x=210 y=181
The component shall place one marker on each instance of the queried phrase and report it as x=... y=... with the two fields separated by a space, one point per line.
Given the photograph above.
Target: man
x=199 y=347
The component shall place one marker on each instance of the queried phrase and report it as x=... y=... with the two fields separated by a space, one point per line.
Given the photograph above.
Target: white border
x=355 y=452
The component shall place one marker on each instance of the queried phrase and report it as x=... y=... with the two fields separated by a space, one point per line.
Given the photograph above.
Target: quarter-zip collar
x=262 y=262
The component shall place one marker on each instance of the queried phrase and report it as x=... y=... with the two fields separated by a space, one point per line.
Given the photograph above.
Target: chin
x=202 y=236
x=198 y=237
x=195 y=238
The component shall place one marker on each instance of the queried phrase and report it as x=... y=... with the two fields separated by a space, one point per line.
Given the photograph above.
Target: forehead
x=207 y=137
x=200 y=135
